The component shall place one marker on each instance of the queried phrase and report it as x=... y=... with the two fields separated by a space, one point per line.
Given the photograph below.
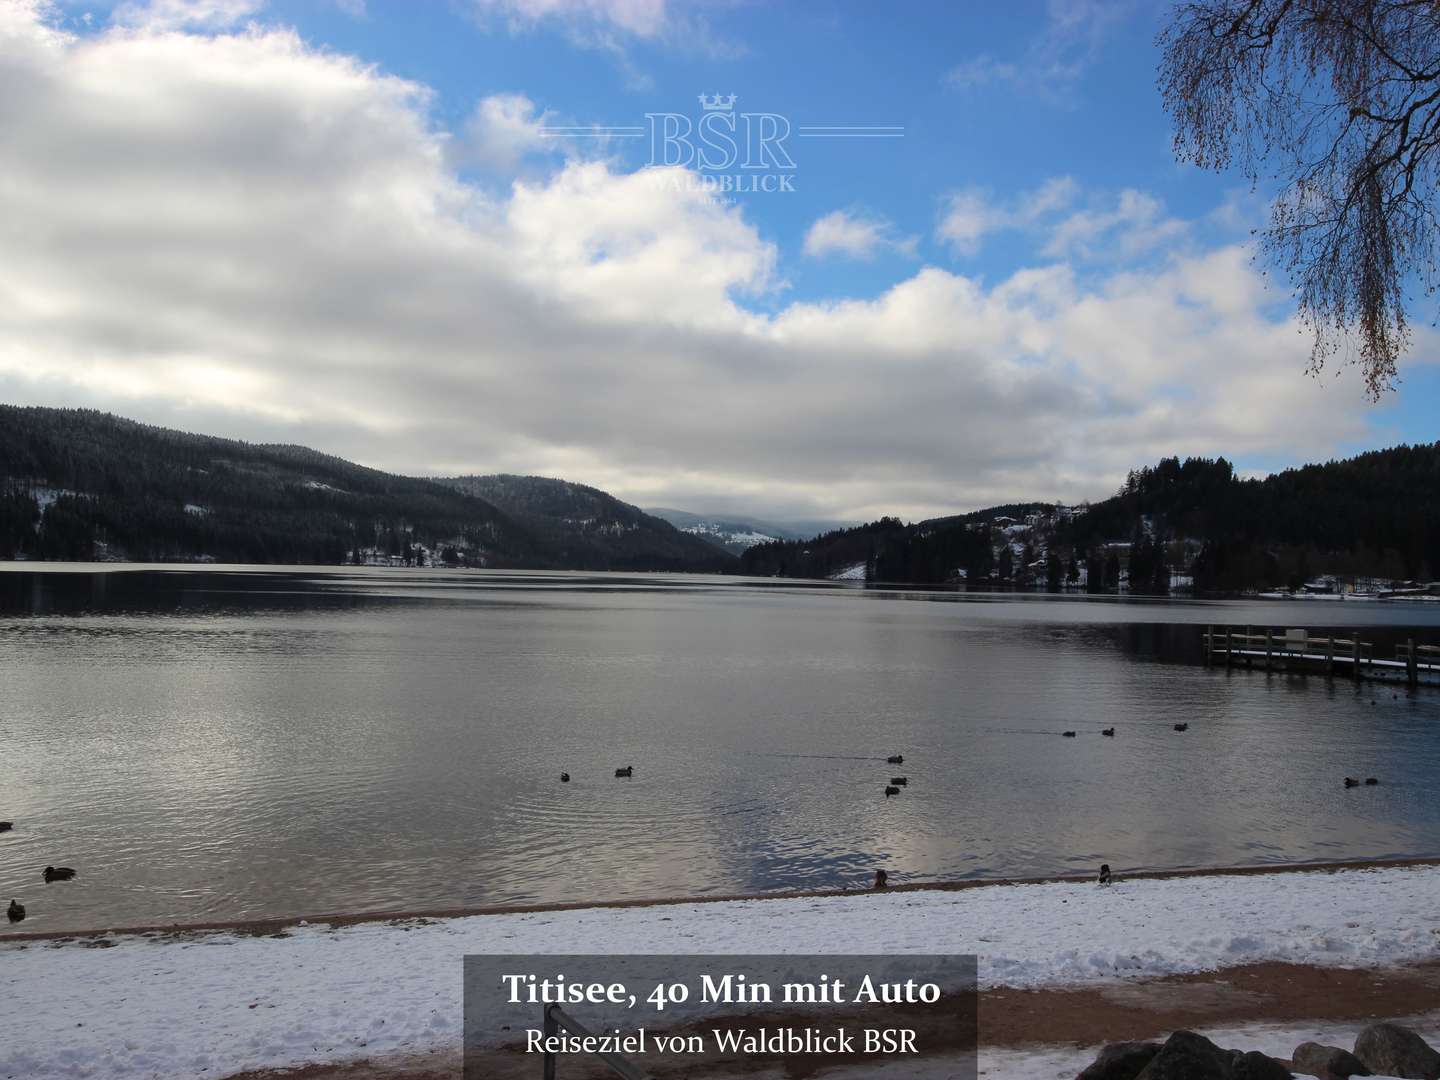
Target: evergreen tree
x=1053 y=571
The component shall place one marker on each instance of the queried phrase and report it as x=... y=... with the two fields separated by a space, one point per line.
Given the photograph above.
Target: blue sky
x=1080 y=102
x=368 y=236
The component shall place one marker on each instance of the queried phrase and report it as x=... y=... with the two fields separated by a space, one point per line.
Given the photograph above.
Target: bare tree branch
x=1339 y=100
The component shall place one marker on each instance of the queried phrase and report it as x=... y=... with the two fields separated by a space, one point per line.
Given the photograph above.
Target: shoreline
x=266 y=926
x=174 y=1004
x=1017 y=1027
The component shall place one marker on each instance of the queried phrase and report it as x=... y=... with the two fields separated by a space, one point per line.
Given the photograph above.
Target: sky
x=902 y=259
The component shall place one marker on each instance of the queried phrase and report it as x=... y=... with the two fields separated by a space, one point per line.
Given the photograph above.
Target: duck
x=895 y=759
x=881 y=879
x=1104 y=874
x=6 y=826
x=1350 y=781
x=1108 y=732
x=57 y=873
x=564 y=777
x=1182 y=727
x=899 y=781
x=16 y=911
x=1068 y=734
x=1371 y=781
x=628 y=770
x=891 y=790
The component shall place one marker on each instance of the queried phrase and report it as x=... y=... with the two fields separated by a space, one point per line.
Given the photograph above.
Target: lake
x=227 y=743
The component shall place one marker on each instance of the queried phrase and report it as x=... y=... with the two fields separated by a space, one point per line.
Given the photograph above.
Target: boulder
x=1327 y=1062
x=1187 y=1056
x=1120 y=1061
x=1253 y=1065
x=1392 y=1050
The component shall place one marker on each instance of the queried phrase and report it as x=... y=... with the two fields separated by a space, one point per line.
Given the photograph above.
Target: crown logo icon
x=717 y=103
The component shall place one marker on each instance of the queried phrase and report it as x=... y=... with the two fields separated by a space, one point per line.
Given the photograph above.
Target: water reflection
x=221 y=744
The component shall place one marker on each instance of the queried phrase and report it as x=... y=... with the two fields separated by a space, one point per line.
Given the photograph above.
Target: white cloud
x=503 y=129
x=244 y=235
x=1137 y=224
x=1051 y=66
x=1124 y=227
x=855 y=235
x=162 y=15
x=615 y=26
x=967 y=217
x=642 y=18
x=982 y=70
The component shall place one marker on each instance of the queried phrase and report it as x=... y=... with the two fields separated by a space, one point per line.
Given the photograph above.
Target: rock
x=1187 y=1056
x=1392 y=1050
x=1120 y=1061
x=1253 y=1065
x=1327 y=1062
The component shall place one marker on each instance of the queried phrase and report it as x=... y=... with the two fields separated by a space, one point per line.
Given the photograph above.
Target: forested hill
x=588 y=529
x=78 y=484
x=1375 y=515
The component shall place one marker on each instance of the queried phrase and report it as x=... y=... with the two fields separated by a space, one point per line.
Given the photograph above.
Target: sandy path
x=1054 y=1024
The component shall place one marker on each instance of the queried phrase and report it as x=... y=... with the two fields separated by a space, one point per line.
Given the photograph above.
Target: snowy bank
x=1276 y=1040
x=184 y=1004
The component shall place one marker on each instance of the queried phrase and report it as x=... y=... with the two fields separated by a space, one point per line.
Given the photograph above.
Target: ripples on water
x=206 y=745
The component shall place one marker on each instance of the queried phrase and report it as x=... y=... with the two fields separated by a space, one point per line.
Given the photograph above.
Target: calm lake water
x=212 y=744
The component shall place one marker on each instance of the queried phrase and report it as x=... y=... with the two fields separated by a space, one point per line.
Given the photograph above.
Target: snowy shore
x=169 y=1005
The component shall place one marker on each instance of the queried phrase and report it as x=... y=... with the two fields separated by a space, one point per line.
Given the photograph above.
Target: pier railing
x=1305 y=650
x=557 y=1020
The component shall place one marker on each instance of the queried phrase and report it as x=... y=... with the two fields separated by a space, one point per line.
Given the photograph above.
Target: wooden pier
x=1304 y=651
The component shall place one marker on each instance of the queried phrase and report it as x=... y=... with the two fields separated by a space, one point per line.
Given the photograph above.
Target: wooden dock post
x=1209 y=645
x=1330 y=656
x=1245 y=648
x=1355 y=656
x=1412 y=671
x=1229 y=646
x=1269 y=646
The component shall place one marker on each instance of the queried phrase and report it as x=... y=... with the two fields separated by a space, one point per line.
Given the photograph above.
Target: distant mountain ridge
x=735 y=534
x=589 y=529
x=78 y=484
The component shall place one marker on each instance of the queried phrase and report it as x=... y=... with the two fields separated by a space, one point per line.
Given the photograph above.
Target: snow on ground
x=850 y=573
x=164 y=1006
x=46 y=497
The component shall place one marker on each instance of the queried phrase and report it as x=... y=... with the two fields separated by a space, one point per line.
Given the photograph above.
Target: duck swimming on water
x=1108 y=732
x=16 y=911
x=57 y=873
x=6 y=826
x=891 y=790
x=896 y=759
x=628 y=770
x=1182 y=727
